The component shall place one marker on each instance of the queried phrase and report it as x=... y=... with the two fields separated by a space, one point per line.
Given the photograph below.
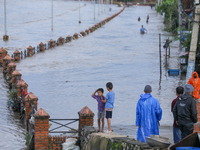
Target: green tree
x=170 y=8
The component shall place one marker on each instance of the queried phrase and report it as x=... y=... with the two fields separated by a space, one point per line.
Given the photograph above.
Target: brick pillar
x=16 y=76
x=93 y=28
x=87 y=31
x=100 y=24
x=20 y=86
x=6 y=60
x=41 y=47
x=60 y=40
x=11 y=68
x=51 y=43
x=82 y=33
x=29 y=98
x=30 y=51
x=41 y=129
x=86 y=117
x=90 y=29
x=75 y=36
x=68 y=38
x=96 y=26
x=17 y=55
x=3 y=53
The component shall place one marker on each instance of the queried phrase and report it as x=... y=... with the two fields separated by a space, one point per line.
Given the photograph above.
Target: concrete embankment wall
x=110 y=141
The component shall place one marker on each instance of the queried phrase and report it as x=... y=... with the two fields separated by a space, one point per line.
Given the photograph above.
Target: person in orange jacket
x=195 y=82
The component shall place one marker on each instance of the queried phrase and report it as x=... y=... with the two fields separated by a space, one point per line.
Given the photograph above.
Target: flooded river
x=63 y=78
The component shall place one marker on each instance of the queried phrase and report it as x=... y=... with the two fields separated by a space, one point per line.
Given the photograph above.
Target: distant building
x=187 y=4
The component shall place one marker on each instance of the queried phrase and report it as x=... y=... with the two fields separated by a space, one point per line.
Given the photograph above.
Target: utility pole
x=104 y=1
x=99 y=8
x=5 y=16
x=160 y=53
x=79 y=13
x=106 y=4
x=94 y=9
x=52 y=15
x=5 y=37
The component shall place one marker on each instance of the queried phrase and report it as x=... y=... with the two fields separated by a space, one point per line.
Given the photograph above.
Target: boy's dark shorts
x=108 y=114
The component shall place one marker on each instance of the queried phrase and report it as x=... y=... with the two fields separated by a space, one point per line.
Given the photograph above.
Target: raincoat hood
x=144 y=97
x=195 y=82
x=194 y=74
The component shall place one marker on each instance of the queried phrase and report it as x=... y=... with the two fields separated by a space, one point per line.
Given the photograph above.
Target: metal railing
x=72 y=130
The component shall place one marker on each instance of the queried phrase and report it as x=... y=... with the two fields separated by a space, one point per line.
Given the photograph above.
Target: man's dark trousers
x=186 y=129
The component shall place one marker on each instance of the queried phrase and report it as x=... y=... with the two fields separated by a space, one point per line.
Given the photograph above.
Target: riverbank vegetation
x=12 y=96
x=170 y=10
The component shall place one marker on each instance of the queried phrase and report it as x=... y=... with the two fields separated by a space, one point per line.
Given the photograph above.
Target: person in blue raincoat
x=148 y=115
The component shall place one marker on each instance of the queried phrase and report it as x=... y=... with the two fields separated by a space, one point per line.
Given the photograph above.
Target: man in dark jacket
x=185 y=112
x=176 y=129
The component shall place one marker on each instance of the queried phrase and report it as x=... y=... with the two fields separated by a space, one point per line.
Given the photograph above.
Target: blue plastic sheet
x=187 y=148
x=148 y=113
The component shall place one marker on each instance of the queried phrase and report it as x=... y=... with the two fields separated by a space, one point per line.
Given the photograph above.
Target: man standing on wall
x=185 y=112
x=176 y=130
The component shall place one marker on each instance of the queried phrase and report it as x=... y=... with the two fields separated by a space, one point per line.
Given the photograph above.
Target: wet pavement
x=63 y=78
